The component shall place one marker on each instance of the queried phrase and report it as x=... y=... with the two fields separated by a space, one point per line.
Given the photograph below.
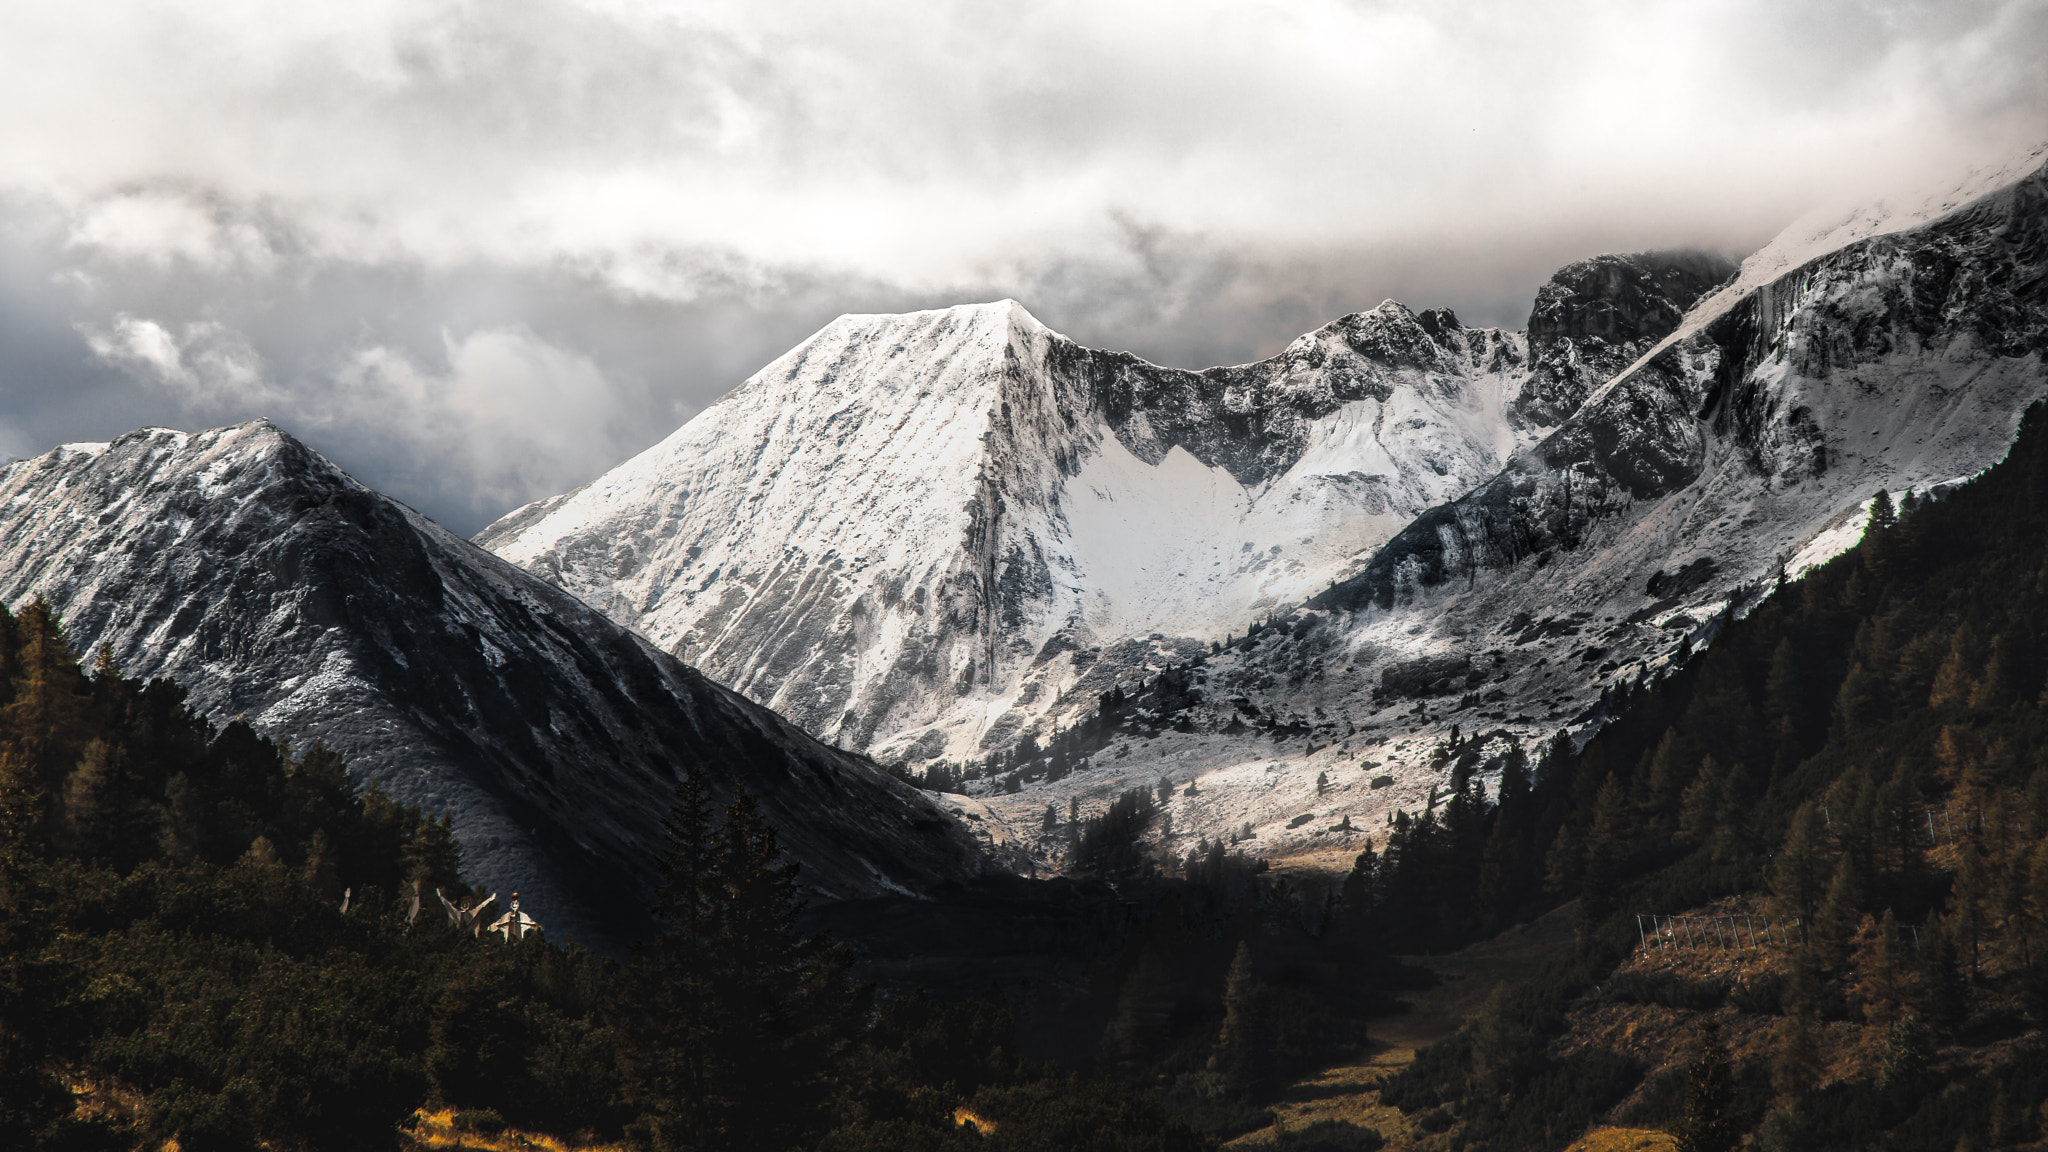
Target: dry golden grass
x=435 y=1128
x=1624 y=1140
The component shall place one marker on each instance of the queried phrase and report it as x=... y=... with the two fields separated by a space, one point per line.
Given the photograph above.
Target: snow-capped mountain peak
x=915 y=532
x=272 y=586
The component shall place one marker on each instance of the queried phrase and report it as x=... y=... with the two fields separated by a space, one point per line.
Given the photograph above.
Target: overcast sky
x=479 y=252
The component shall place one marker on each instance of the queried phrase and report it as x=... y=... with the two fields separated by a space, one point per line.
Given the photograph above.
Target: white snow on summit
x=897 y=516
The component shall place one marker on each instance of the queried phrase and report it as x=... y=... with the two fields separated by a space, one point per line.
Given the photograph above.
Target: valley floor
x=1349 y=1091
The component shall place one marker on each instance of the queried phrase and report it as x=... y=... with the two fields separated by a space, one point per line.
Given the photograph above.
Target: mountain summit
x=273 y=586
x=911 y=533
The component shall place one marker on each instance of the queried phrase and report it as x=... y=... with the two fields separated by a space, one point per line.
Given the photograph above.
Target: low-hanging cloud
x=566 y=225
x=495 y=417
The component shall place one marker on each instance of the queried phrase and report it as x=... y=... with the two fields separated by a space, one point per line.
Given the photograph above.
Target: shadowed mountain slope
x=248 y=568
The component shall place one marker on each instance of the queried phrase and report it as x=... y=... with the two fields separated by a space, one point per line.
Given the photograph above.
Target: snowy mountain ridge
x=271 y=585
x=1672 y=438
x=1748 y=445
x=914 y=533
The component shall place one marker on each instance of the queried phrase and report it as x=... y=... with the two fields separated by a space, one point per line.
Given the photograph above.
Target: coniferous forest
x=1867 y=752
x=211 y=938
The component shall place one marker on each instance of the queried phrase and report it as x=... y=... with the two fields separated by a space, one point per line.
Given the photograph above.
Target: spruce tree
x=1605 y=854
x=1707 y=1125
x=741 y=1013
x=1799 y=874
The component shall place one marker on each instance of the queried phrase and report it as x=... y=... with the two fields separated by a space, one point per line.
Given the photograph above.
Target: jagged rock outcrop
x=1936 y=333
x=272 y=586
x=1596 y=317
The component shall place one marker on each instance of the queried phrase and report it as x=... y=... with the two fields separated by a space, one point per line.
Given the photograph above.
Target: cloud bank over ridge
x=479 y=252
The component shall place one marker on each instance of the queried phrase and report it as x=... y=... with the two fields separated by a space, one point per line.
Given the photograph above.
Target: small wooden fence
x=1740 y=930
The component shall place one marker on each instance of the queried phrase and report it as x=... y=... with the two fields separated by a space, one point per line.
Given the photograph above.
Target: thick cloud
x=477 y=252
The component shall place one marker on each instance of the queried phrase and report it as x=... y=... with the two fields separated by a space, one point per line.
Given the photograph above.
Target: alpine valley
x=1434 y=738
x=1035 y=575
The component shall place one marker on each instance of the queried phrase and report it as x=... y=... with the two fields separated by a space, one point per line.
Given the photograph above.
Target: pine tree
x=44 y=721
x=741 y=1014
x=1784 y=707
x=1700 y=807
x=1244 y=1047
x=1969 y=905
x=2034 y=901
x=1943 y=993
x=1880 y=983
x=1798 y=875
x=1839 y=913
x=1795 y=1063
x=1707 y=1125
x=1908 y=1049
x=2003 y=679
x=1953 y=684
x=1606 y=845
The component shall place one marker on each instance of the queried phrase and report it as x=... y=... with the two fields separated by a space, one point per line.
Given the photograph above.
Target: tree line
x=1867 y=751
x=210 y=937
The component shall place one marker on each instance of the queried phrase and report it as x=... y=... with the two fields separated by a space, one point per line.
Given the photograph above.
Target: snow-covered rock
x=272 y=586
x=1899 y=353
x=917 y=534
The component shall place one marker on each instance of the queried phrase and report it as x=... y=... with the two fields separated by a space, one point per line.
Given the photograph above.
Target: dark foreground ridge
x=274 y=587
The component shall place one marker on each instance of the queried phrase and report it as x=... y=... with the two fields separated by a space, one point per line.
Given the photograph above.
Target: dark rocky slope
x=1910 y=322
x=251 y=570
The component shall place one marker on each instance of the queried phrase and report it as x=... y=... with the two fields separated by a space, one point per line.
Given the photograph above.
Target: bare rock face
x=944 y=535
x=272 y=586
x=1927 y=343
x=1595 y=317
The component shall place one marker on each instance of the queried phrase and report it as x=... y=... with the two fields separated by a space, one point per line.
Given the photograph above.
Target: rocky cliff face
x=1898 y=351
x=1896 y=360
x=1595 y=317
x=272 y=586
x=931 y=535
